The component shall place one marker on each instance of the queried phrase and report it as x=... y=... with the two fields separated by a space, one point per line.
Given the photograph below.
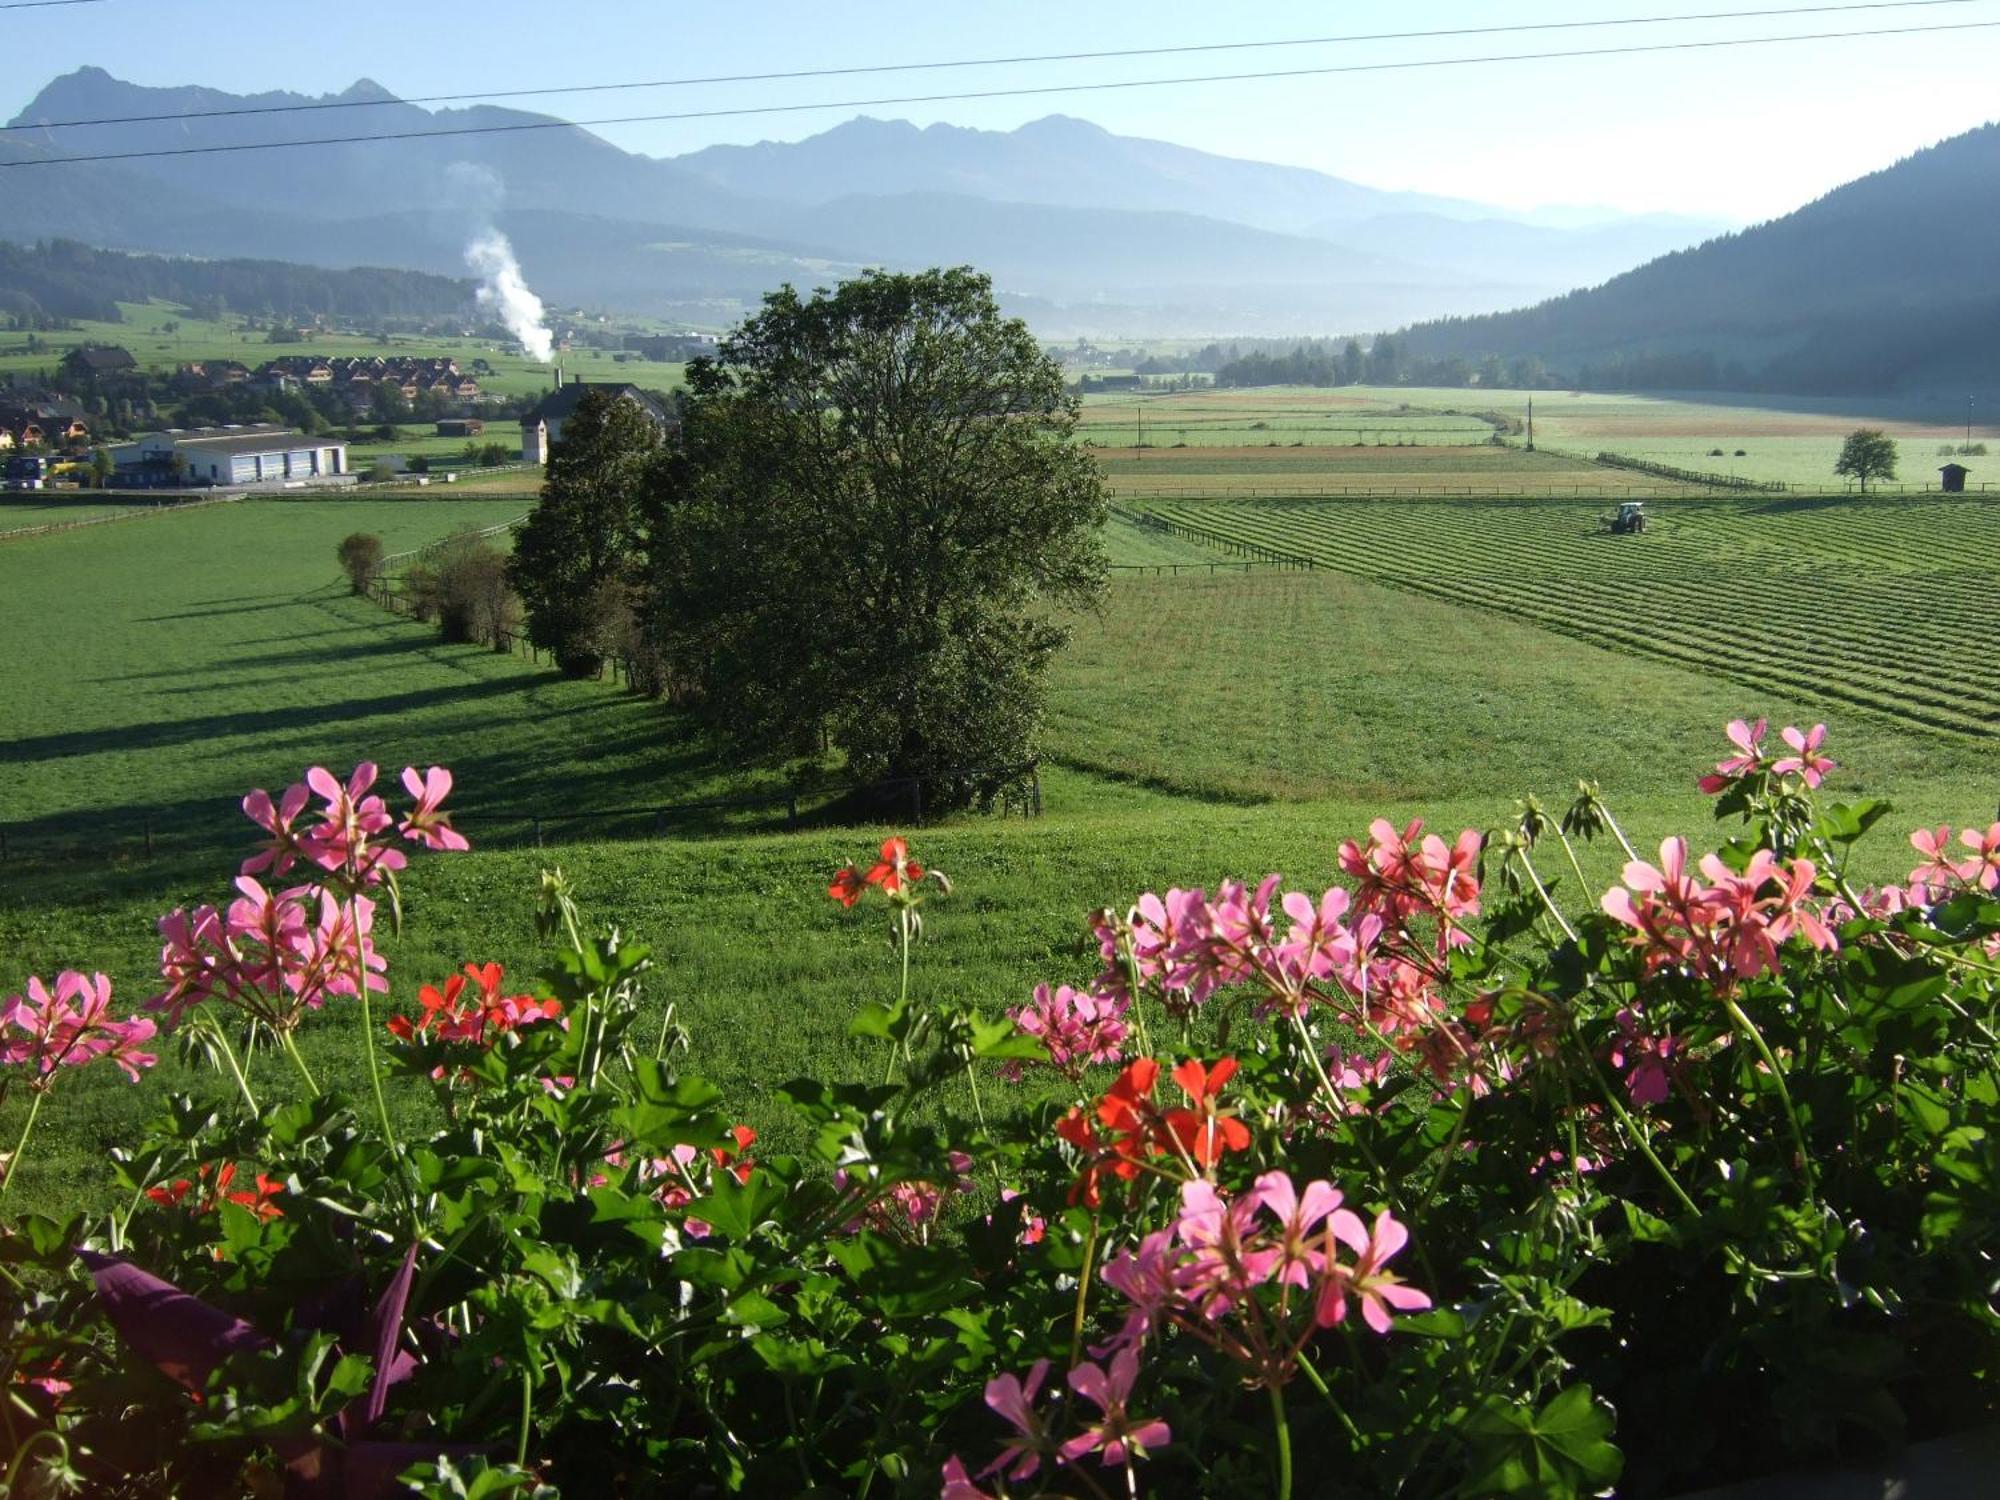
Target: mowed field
x=1881 y=604
x=1788 y=439
x=1300 y=441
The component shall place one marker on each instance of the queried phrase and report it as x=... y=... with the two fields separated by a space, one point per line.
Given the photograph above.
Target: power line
x=1010 y=93
x=973 y=62
x=43 y=4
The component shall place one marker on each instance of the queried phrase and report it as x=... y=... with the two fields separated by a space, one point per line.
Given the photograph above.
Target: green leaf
x=735 y=1208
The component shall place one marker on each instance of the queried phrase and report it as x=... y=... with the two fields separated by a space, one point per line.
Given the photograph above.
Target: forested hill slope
x=63 y=279
x=1885 y=282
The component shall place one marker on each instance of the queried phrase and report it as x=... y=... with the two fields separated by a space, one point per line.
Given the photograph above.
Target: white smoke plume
x=504 y=289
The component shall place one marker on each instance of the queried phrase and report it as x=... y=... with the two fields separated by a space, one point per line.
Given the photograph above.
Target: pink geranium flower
x=1013 y=1400
x=277 y=819
x=1986 y=849
x=1148 y=1280
x=1118 y=1435
x=1367 y=1280
x=1300 y=1260
x=425 y=824
x=1939 y=869
x=1749 y=743
x=1805 y=759
x=70 y=1027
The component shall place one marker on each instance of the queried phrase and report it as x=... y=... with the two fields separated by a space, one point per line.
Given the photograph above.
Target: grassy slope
x=159 y=667
x=171 y=677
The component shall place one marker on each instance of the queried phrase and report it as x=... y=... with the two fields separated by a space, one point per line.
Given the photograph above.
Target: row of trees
x=1384 y=362
x=863 y=533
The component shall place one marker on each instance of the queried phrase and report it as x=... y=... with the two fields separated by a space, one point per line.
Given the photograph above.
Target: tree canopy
x=869 y=525
x=1867 y=454
x=577 y=556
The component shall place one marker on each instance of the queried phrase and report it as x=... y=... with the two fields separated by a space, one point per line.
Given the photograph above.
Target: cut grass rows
x=1910 y=645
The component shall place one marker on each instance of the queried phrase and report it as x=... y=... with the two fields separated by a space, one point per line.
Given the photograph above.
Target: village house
x=99 y=360
x=543 y=426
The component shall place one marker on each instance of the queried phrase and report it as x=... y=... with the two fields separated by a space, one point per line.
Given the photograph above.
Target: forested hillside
x=1881 y=283
x=61 y=279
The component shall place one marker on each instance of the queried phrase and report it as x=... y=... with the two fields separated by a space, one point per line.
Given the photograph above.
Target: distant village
x=101 y=419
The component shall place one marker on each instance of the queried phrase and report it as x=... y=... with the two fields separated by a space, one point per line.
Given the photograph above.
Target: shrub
x=1480 y=1180
x=473 y=600
x=360 y=559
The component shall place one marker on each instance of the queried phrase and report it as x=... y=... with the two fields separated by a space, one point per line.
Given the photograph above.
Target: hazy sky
x=1744 y=133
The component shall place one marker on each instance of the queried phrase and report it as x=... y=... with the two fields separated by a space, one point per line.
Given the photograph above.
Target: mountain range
x=1084 y=231
x=1881 y=284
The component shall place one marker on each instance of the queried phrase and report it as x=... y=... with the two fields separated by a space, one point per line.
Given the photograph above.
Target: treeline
x=47 y=284
x=1386 y=361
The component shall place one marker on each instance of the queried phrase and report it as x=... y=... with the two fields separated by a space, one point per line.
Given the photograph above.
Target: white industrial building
x=235 y=456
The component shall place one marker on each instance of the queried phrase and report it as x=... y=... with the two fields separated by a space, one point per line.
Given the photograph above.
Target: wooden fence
x=164 y=508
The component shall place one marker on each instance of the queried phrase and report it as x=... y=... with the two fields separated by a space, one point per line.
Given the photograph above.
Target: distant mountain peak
x=366 y=89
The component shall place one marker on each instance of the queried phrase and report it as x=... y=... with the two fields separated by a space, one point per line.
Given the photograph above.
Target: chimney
x=558 y=377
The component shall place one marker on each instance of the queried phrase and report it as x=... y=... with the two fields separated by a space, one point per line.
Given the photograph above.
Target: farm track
x=1884 y=606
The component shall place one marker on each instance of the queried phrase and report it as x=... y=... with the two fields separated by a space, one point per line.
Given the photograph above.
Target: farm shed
x=236 y=456
x=1952 y=478
x=460 y=427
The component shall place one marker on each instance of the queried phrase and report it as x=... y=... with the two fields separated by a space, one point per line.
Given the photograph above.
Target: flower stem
x=1637 y=1135
x=291 y=1047
x=1083 y=1294
x=375 y=1070
x=1542 y=891
x=1319 y=1384
x=527 y=1416
x=21 y=1145
x=1284 y=1434
x=235 y=1067
x=1749 y=1029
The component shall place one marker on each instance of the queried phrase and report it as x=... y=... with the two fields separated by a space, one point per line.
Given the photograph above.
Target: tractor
x=1630 y=520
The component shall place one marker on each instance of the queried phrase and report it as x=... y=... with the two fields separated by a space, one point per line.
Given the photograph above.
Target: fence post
x=917 y=799
x=1038 y=793
x=538 y=831
x=149 y=838
x=792 y=808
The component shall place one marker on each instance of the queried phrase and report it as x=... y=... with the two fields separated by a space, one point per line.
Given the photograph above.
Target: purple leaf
x=385 y=1328
x=181 y=1334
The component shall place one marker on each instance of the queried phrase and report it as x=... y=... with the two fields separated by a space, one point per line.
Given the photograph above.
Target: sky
x=1742 y=134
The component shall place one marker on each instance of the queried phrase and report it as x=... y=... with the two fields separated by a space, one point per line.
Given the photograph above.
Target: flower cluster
x=211 y=1186
x=1114 y=1432
x=894 y=874
x=70 y=1026
x=1727 y=930
x=277 y=954
x=686 y=1173
x=1944 y=869
x=1806 y=760
x=1126 y=1132
x=1221 y=1250
x=479 y=1019
x=1079 y=1029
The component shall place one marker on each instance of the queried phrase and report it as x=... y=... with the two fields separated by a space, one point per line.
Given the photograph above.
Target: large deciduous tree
x=871 y=525
x=576 y=559
x=1867 y=454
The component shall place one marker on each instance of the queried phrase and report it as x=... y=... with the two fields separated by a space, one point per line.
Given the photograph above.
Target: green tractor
x=1630 y=520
